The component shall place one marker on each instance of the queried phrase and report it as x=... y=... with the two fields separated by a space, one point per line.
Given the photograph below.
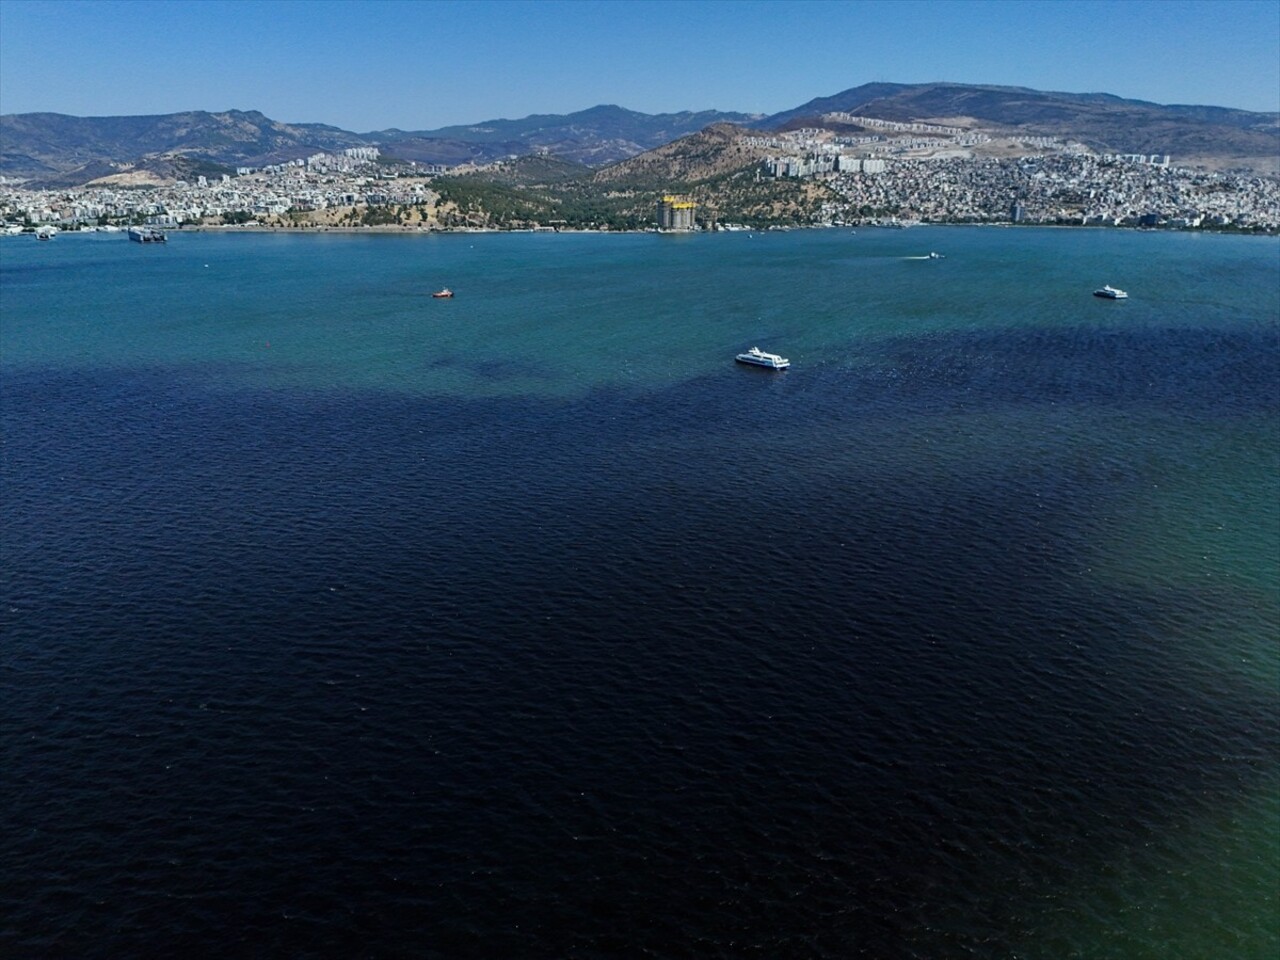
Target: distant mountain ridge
x=1102 y=121
x=61 y=149
x=601 y=134
x=52 y=146
x=44 y=144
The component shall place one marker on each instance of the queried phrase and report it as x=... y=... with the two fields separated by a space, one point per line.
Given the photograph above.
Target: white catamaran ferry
x=759 y=358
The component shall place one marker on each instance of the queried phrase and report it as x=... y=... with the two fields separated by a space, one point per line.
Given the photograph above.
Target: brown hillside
x=718 y=149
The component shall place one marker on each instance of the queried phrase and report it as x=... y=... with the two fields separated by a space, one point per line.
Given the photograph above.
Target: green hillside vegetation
x=742 y=197
x=624 y=203
x=536 y=169
x=713 y=167
x=480 y=201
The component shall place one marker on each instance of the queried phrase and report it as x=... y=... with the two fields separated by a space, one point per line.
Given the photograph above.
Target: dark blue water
x=547 y=632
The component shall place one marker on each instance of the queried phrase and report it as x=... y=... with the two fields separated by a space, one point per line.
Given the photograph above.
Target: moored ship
x=146 y=235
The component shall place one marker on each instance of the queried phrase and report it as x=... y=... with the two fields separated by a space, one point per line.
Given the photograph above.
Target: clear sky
x=419 y=65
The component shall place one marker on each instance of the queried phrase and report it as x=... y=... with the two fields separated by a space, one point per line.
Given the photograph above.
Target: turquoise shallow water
x=581 y=312
x=337 y=618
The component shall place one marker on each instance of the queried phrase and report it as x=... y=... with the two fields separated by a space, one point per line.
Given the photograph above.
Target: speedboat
x=759 y=358
x=936 y=256
x=443 y=294
x=1111 y=293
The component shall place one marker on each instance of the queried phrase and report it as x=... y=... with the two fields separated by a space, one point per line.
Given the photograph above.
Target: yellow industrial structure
x=675 y=213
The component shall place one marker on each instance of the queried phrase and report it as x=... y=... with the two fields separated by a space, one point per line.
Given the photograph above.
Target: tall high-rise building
x=675 y=213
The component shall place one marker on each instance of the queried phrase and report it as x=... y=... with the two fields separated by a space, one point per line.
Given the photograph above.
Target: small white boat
x=1109 y=292
x=759 y=358
x=933 y=255
x=46 y=233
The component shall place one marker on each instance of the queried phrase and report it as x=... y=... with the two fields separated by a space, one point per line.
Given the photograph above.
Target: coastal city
x=930 y=174
x=569 y=479
x=1061 y=189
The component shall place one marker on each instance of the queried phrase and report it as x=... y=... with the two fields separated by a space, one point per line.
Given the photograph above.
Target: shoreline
x=430 y=231
x=418 y=231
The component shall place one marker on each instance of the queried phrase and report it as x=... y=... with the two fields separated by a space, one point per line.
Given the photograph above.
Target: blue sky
x=419 y=65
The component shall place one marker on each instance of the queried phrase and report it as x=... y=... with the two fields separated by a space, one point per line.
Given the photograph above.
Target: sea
x=337 y=620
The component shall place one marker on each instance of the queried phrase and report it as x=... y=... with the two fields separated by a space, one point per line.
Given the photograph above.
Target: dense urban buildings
x=859 y=183
x=1062 y=189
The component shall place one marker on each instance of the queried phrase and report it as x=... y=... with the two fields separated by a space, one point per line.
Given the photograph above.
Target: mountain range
x=63 y=150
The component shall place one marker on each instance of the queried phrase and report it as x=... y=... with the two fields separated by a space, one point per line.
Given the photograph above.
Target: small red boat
x=443 y=294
